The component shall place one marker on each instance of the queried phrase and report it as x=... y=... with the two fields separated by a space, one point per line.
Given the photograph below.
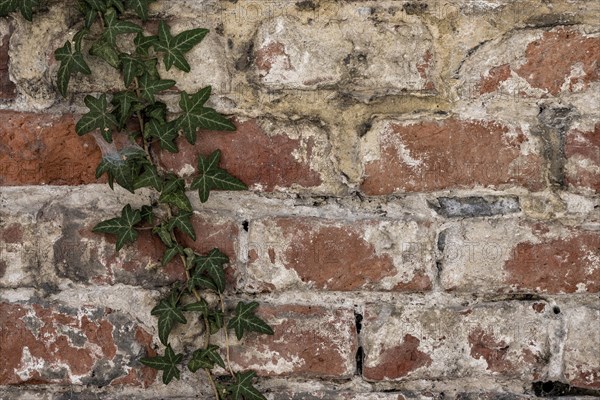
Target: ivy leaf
x=147 y=214
x=200 y=280
x=206 y=359
x=132 y=68
x=183 y=222
x=178 y=199
x=242 y=388
x=168 y=314
x=169 y=254
x=89 y=14
x=140 y=7
x=164 y=234
x=78 y=38
x=123 y=167
x=98 y=5
x=212 y=265
x=245 y=320
x=150 y=178
x=122 y=227
x=195 y=116
x=71 y=62
x=143 y=43
x=98 y=118
x=165 y=133
x=167 y=363
x=157 y=111
x=123 y=102
x=215 y=321
x=174 y=47
x=199 y=306
x=149 y=87
x=210 y=177
x=25 y=6
x=115 y=27
x=107 y=51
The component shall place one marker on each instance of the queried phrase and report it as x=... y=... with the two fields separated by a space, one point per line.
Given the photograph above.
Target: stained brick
x=45 y=344
x=420 y=342
x=582 y=150
x=429 y=155
x=324 y=254
x=44 y=149
x=309 y=341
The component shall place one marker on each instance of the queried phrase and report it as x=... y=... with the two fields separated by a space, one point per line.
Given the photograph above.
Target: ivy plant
x=115 y=31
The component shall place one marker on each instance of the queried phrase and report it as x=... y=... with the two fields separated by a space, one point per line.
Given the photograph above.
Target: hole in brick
x=556 y=310
x=359 y=360
x=364 y=128
x=245 y=225
x=358 y=318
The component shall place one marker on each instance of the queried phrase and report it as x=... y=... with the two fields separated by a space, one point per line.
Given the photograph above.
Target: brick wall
x=423 y=219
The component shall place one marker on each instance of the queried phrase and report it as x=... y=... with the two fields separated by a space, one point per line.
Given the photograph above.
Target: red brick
x=8 y=90
x=265 y=161
x=56 y=344
x=582 y=150
x=309 y=341
x=582 y=346
x=429 y=155
x=44 y=149
x=518 y=256
x=337 y=255
x=417 y=341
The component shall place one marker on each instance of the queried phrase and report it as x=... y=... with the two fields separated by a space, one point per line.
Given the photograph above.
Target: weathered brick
x=503 y=339
x=323 y=254
x=44 y=149
x=582 y=150
x=45 y=344
x=309 y=341
x=533 y=63
x=429 y=154
x=507 y=256
x=18 y=251
x=267 y=155
x=364 y=56
x=8 y=90
x=582 y=346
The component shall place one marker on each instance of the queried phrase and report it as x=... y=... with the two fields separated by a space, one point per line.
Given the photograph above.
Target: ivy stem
x=139 y=116
x=226 y=337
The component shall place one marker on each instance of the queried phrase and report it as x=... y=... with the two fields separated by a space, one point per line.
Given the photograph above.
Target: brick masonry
x=422 y=220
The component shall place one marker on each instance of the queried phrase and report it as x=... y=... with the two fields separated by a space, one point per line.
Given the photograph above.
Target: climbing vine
x=116 y=31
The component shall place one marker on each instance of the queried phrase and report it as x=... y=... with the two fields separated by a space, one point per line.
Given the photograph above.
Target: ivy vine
x=110 y=29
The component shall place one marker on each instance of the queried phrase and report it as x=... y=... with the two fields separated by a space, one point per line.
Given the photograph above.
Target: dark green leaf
x=169 y=254
x=147 y=214
x=150 y=87
x=123 y=102
x=195 y=116
x=245 y=320
x=165 y=133
x=107 y=51
x=210 y=177
x=183 y=222
x=215 y=321
x=157 y=111
x=25 y=6
x=206 y=359
x=212 y=265
x=164 y=234
x=132 y=68
x=98 y=118
x=199 y=306
x=174 y=48
x=118 y=4
x=167 y=363
x=150 y=178
x=202 y=281
x=89 y=14
x=140 y=7
x=71 y=62
x=78 y=38
x=122 y=227
x=242 y=388
x=124 y=167
x=115 y=27
x=168 y=314
x=178 y=199
x=143 y=43
x=98 y=5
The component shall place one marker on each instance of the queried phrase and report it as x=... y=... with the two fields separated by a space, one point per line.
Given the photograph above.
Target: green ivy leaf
x=25 y=6
x=178 y=199
x=206 y=359
x=202 y=281
x=169 y=254
x=78 y=38
x=242 y=388
x=216 y=321
x=122 y=227
x=123 y=102
x=140 y=7
x=132 y=68
x=123 y=167
x=107 y=51
x=89 y=14
x=98 y=5
x=71 y=62
x=183 y=222
x=168 y=314
x=166 y=133
x=245 y=320
x=115 y=27
x=212 y=265
x=164 y=234
x=150 y=178
x=167 y=363
x=118 y=4
x=195 y=116
x=144 y=43
x=157 y=111
x=149 y=87
x=174 y=47
x=200 y=306
x=210 y=177
x=97 y=118
x=147 y=214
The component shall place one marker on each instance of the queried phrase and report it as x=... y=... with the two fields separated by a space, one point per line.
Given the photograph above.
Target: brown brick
x=44 y=149
x=429 y=155
x=56 y=344
x=416 y=341
x=309 y=341
x=18 y=251
x=582 y=150
x=338 y=255
x=265 y=155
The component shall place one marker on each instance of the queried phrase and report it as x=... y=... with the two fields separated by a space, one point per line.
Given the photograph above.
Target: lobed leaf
x=245 y=320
